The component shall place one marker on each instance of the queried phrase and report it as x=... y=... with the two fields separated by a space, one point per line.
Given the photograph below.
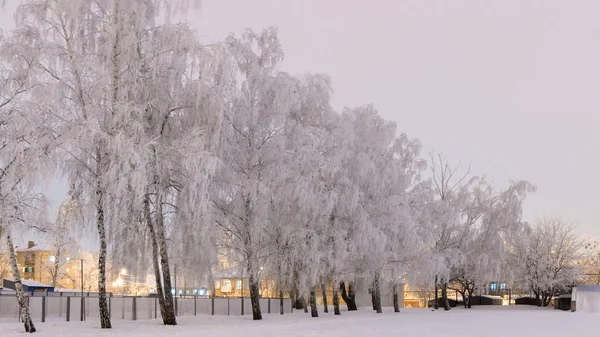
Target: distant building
x=36 y=263
x=32 y=261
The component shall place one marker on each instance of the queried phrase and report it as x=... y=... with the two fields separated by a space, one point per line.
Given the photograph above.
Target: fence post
x=134 y=308
x=44 y=309
x=269 y=305
x=212 y=305
x=228 y=306
x=195 y=305
x=82 y=308
x=68 y=308
x=176 y=306
x=155 y=313
x=123 y=307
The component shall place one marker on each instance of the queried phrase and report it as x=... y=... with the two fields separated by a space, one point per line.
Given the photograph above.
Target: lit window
x=502 y=286
x=201 y=292
x=172 y=291
x=493 y=286
x=226 y=286
x=68 y=259
x=52 y=258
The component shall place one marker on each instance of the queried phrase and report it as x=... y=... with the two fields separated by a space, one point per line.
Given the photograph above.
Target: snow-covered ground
x=502 y=321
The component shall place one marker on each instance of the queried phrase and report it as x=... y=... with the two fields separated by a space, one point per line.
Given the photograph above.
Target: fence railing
x=73 y=308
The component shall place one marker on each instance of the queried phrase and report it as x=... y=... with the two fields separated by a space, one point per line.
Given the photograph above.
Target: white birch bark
x=23 y=307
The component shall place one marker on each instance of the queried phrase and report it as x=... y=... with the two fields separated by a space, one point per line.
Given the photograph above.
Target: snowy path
x=477 y=322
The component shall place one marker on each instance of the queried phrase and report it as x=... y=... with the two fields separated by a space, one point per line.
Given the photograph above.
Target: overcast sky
x=510 y=87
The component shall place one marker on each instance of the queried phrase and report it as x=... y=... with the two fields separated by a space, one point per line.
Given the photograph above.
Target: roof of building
x=36 y=248
x=31 y=283
x=228 y=273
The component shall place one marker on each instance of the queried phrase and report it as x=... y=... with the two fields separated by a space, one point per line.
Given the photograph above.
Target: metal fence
x=69 y=308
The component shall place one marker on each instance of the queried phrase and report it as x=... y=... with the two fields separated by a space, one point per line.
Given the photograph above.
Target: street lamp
x=120 y=284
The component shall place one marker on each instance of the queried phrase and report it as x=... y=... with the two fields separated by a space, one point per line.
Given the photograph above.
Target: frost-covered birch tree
x=90 y=65
x=179 y=91
x=25 y=140
x=488 y=221
x=251 y=147
x=401 y=179
x=544 y=258
x=371 y=157
x=469 y=224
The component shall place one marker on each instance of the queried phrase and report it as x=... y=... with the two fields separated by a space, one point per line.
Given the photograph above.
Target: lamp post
x=82 y=300
x=82 y=316
x=242 y=290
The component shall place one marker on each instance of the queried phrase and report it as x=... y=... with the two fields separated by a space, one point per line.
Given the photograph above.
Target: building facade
x=37 y=262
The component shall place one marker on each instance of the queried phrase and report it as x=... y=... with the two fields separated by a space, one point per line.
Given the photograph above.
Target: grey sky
x=510 y=87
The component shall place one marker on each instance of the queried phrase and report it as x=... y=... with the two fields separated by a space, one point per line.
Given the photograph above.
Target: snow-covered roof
x=36 y=248
x=227 y=273
x=31 y=283
x=493 y=297
x=65 y=290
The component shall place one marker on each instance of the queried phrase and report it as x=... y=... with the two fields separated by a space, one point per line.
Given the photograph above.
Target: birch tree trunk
x=469 y=294
x=324 y=294
x=395 y=297
x=56 y=267
x=164 y=262
x=348 y=297
x=297 y=299
x=104 y=313
x=155 y=262
x=377 y=294
x=336 y=300
x=281 y=302
x=372 y=291
x=445 y=296
x=313 y=303
x=435 y=300
x=29 y=327
x=254 y=296
x=464 y=296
